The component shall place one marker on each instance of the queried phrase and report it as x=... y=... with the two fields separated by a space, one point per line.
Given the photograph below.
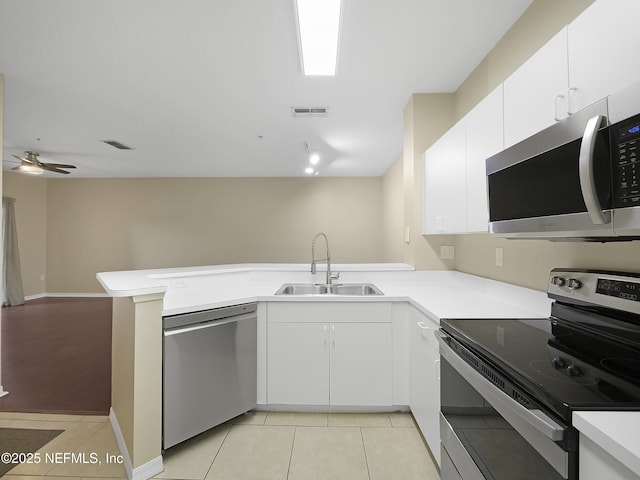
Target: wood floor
x=56 y=356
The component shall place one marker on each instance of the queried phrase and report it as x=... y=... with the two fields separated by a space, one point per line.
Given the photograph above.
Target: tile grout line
x=293 y=442
x=366 y=459
x=217 y=452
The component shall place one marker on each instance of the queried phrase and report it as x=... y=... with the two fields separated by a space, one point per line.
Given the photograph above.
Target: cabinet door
x=444 y=184
x=425 y=386
x=361 y=364
x=595 y=463
x=298 y=363
x=602 y=48
x=535 y=94
x=484 y=137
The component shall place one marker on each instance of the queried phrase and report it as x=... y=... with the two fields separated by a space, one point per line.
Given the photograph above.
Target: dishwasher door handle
x=210 y=324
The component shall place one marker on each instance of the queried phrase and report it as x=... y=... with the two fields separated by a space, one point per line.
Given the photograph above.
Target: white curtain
x=12 y=293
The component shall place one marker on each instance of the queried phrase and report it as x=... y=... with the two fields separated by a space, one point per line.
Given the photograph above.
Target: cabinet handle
x=423 y=325
x=325 y=336
x=557 y=117
x=438 y=370
x=333 y=336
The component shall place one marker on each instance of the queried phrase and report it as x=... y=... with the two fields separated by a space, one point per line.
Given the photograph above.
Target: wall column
x=136 y=383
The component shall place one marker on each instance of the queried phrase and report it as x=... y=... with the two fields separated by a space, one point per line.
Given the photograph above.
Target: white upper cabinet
x=455 y=185
x=484 y=135
x=603 y=44
x=445 y=184
x=535 y=95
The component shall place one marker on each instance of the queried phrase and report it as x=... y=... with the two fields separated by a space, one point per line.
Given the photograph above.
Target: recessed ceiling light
x=318 y=29
x=308 y=170
x=314 y=158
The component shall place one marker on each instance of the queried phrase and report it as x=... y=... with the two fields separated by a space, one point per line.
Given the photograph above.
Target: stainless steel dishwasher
x=209 y=369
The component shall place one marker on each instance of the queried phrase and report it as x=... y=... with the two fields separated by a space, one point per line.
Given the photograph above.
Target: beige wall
x=393 y=213
x=31 y=223
x=98 y=225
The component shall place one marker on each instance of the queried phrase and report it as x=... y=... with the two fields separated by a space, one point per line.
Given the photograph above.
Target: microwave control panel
x=625 y=139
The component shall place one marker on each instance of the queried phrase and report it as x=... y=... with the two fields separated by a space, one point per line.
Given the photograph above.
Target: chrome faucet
x=330 y=276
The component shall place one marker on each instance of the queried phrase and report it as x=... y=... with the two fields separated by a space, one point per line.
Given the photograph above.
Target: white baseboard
x=148 y=470
x=143 y=472
x=115 y=426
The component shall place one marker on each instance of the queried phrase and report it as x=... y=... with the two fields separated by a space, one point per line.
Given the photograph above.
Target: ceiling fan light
x=31 y=169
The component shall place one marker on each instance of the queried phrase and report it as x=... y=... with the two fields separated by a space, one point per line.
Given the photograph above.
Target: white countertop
x=439 y=294
x=614 y=432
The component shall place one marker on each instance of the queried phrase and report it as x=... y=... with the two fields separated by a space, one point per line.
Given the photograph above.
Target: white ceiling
x=205 y=87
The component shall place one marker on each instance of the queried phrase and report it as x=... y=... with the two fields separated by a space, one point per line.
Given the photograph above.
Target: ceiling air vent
x=117 y=144
x=309 y=111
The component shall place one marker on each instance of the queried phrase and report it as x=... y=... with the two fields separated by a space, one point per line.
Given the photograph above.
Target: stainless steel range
x=509 y=386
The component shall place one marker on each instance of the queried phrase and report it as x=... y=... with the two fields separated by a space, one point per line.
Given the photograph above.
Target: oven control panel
x=617 y=290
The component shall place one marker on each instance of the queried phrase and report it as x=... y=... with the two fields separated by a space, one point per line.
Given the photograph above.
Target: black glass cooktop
x=564 y=365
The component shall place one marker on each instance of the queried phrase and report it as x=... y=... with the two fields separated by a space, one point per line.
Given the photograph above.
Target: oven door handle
x=509 y=408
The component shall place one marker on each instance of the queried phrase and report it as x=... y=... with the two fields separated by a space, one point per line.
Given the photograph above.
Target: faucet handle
x=334 y=275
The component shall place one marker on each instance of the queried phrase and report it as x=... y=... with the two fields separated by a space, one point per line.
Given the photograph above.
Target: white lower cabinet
x=425 y=380
x=597 y=464
x=298 y=355
x=345 y=360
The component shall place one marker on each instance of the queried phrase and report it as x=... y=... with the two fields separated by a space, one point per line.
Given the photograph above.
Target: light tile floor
x=257 y=445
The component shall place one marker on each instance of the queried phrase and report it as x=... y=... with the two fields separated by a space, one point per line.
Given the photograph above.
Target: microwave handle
x=587 y=180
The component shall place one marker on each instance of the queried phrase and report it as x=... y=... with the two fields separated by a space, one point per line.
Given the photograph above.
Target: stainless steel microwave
x=576 y=180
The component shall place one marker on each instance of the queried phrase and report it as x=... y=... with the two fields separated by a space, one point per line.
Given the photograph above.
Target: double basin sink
x=330 y=289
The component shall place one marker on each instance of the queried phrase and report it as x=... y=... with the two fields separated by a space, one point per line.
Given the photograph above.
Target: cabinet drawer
x=334 y=312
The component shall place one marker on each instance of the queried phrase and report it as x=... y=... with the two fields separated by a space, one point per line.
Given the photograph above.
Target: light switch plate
x=499 y=257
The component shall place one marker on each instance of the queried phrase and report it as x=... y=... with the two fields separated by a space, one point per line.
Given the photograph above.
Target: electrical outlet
x=178 y=283
x=447 y=252
x=499 y=257
x=407 y=234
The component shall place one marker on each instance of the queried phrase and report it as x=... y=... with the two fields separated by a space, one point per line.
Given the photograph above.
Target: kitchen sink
x=332 y=289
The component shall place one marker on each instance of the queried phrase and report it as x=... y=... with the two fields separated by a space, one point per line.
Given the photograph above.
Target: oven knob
x=558 y=363
x=574 y=283
x=558 y=281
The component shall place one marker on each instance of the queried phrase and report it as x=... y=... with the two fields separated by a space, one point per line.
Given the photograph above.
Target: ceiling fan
x=32 y=165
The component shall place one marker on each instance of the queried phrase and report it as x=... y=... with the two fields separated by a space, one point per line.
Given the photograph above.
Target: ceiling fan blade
x=59 y=165
x=22 y=159
x=48 y=167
